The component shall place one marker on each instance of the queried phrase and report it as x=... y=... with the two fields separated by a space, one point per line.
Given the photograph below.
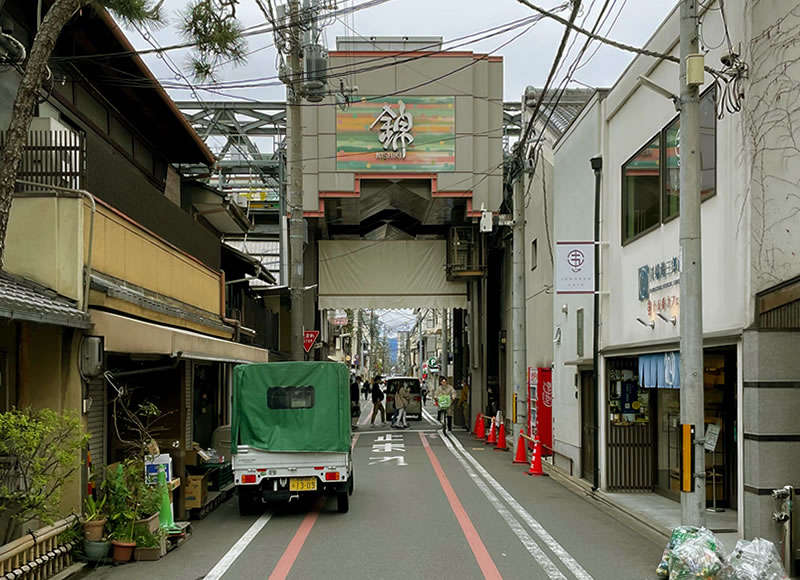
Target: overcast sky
x=527 y=59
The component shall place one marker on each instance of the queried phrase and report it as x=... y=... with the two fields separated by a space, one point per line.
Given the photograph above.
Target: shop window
x=290 y=397
x=641 y=191
x=708 y=157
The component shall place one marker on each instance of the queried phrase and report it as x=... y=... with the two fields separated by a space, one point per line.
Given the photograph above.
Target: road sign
x=309 y=338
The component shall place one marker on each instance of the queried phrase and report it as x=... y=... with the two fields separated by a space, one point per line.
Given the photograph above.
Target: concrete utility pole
x=296 y=221
x=693 y=504
x=519 y=369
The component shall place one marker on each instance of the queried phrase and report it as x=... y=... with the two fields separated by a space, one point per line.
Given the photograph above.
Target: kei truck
x=290 y=433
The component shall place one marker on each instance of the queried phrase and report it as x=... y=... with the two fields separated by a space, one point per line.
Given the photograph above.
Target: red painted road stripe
x=293 y=549
x=485 y=561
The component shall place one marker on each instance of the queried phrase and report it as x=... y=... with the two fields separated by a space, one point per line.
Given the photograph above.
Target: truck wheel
x=342 y=502
x=352 y=484
x=247 y=503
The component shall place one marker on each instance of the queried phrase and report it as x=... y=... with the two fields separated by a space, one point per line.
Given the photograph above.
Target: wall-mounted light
x=565 y=308
x=651 y=324
x=673 y=320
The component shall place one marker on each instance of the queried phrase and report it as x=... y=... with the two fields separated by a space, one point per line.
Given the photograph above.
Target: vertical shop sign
x=530 y=403
x=544 y=409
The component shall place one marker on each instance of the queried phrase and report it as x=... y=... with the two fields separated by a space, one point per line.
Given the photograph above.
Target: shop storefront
x=644 y=424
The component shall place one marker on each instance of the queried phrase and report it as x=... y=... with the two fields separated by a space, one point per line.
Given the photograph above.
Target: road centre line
x=565 y=557
x=533 y=548
x=236 y=550
x=286 y=562
x=479 y=550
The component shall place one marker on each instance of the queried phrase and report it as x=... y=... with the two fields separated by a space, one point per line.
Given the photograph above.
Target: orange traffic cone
x=492 y=439
x=501 y=438
x=536 y=461
x=480 y=429
x=475 y=424
x=521 y=455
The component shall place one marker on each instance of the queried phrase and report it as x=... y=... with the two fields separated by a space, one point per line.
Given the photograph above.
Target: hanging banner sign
x=574 y=267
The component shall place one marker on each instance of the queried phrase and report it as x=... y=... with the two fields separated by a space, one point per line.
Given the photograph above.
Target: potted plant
x=148 y=545
x=94 y=520
x=121 y=513
x=147 y=501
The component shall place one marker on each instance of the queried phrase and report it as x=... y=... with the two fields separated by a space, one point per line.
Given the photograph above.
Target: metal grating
x=630 y=458
x=97 y=427
x=783 y=317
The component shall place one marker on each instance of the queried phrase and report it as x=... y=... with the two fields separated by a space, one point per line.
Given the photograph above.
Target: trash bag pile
x=697 y=554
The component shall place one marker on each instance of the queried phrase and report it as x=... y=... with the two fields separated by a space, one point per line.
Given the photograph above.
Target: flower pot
x=122 y=551
x=93 y=530
x=95 y=551
x=150 y=524
x=147 y=554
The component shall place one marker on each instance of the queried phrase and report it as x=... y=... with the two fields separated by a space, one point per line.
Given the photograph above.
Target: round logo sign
x=575 y=259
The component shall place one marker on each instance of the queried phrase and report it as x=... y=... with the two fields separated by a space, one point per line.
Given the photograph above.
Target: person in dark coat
x=355 y=403
x=377 y=401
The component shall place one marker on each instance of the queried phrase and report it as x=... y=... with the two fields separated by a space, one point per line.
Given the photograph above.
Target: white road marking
x=537 y=528
x=401 y=460
x=237 y=549
x=429 y=418
x=533 y=548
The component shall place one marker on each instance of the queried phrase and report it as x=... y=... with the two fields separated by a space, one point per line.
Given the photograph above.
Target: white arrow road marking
x=537 y=528
x=388 y=447
x=401 y=460
x=533 y=548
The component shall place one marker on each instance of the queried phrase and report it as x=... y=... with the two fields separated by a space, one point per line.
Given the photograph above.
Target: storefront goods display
x=756 y=560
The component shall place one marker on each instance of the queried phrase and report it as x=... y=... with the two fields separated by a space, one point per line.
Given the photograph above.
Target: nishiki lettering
x=395 y=130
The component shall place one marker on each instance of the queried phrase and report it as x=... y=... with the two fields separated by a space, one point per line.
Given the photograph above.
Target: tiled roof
x=568 y=107
x=21 y=299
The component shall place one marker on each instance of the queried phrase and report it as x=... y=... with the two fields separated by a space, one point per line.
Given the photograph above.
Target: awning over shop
x=386 y=274
x=660 y=371
x=127 y=335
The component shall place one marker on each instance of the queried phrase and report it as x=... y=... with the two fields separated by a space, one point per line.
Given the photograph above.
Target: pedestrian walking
x=424 y=393
x=355 y=403
x=444 y=400
x=402 y=396
x=365 y=388
x=377 y=401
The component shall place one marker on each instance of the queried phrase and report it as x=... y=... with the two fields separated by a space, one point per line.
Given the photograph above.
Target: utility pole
x=693 y=504
x=296 y=221
x=518 y=365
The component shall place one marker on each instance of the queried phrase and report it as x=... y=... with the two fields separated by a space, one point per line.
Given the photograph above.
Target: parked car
x=414 y=408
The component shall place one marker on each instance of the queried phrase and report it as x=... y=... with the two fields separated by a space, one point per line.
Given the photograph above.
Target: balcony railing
x=52 y=158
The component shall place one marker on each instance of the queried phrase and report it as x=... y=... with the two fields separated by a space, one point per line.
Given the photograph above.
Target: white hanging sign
x=574 y=267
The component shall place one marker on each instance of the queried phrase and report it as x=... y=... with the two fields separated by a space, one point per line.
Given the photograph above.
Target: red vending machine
x=540 y=407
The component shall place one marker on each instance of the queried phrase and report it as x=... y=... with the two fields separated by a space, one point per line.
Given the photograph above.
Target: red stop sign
x=309 y=338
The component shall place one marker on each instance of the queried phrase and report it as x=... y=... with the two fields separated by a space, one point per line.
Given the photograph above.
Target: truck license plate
x=303 y=484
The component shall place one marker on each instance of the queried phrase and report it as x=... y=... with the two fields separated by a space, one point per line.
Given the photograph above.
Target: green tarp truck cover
x=291 y=406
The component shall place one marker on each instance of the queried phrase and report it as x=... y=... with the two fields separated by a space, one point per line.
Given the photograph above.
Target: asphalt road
x=424 y=506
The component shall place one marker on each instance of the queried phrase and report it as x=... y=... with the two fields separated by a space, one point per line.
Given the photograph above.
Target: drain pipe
x=597 y=167
x=88 y=274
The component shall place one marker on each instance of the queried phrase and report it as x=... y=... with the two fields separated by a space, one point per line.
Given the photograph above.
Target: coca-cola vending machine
x=540 y=407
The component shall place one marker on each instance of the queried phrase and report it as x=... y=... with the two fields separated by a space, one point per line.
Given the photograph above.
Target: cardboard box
x=195 y=491
x=151 y=463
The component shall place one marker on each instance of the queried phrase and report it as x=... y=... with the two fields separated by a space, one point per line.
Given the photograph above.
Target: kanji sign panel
x=309 y=338
x=575 y=267
x=397 y=134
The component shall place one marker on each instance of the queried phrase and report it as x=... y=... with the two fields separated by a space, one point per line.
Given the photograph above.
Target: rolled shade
x=387 y=274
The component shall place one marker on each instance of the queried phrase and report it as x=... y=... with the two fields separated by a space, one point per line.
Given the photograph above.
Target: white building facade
x=751 y=272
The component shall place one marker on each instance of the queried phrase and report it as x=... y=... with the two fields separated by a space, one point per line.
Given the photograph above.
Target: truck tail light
x=248 y=479
x=332 y=476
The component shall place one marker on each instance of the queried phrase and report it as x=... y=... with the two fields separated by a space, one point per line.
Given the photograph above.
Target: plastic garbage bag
x=679 y=535
x=754 y=560
x=691 y=553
